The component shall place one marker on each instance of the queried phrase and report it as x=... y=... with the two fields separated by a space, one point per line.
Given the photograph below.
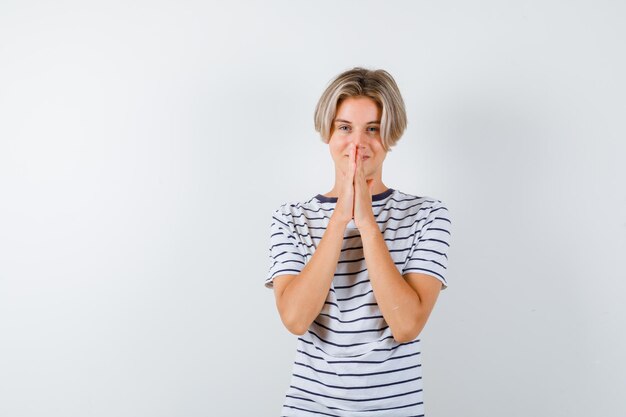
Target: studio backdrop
x=145 y=145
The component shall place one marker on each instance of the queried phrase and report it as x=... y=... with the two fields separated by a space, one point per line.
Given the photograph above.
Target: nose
x=359 y=139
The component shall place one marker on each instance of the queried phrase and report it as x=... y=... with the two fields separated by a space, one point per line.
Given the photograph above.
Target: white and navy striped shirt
x=348 y=363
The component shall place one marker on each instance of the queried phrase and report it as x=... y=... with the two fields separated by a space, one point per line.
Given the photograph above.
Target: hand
x=344 y=210
x=363 y=214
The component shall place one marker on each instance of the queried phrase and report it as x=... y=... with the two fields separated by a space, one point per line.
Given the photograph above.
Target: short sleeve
x=284 y=256
x=429 y=251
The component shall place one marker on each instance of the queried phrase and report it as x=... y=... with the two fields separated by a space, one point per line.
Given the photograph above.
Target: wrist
x=335 y=220
x=369 y=227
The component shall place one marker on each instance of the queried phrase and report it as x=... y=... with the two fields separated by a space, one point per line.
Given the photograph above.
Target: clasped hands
x=355 y=194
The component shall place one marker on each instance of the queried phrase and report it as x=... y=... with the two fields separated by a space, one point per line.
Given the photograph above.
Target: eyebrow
x=375 y=122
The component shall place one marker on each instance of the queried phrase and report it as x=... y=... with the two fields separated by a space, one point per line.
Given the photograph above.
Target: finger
x=350 y=172
x=353 y=157
x=352 y=165
x=359 y=164
x=360 y=186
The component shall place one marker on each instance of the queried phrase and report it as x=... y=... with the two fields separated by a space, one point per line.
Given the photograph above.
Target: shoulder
x=416 y=204
x=290 y=211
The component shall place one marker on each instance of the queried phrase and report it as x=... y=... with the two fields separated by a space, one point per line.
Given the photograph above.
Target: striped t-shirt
x=347 y=363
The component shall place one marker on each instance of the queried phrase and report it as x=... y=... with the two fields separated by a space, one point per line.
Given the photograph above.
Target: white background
x=144 y=145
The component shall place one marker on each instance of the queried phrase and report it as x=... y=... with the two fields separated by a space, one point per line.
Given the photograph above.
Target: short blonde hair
x=378 y=85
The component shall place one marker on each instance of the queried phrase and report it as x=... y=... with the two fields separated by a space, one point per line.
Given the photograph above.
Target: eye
x=374 y=129
x=342 y=126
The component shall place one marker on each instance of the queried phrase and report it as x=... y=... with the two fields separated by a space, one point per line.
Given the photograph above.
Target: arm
x=300 y=298
x=404 y=301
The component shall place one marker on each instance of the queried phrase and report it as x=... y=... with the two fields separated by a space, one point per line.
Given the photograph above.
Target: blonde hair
x=378 y=85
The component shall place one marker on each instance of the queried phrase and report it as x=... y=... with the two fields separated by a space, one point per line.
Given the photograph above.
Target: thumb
x=370 y=185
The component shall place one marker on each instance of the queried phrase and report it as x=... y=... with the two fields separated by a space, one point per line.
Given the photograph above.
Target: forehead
x=358 y=109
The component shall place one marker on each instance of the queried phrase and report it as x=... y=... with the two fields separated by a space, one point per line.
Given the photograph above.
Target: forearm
x=305 y=295
x=397 y=300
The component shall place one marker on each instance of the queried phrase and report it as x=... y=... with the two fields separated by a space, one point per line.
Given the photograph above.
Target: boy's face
x=358 y=121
